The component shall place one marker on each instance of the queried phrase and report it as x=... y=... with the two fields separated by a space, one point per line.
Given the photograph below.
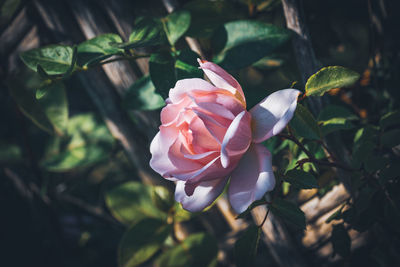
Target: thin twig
x=265 y=218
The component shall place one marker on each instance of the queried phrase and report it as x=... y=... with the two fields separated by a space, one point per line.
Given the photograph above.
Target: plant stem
x=311 y=157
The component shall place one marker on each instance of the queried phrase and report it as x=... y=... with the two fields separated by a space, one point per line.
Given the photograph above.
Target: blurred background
x=69 y=196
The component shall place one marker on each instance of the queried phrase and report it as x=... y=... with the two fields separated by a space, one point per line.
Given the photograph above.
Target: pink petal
x=237 y=138
x=159 y=150
x=202 y=141
x=216 y=129
x=252 y=178
x=182 y=87
x=221 y=97
x=181 y=165
x=198 y=173
x=220 y=78
x=203 y=195
x=216 y=109
x=170 y=113
x=272 y=114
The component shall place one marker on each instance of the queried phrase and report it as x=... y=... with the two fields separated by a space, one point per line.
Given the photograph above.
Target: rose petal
x=237 y=138
x=169 y=114
x=272 y=114
x=182 y=87
x=216 y=129
x=252 y=178
x=159 y=150
x=202 y=141
x=221 y=79
x=203 y=195
x=181 y=164
x=198 y=173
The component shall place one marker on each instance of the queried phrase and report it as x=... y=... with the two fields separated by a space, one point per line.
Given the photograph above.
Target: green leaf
x=197 y=250
x=334 y=118
x=181 y=215
x=131 y=202
x=162 y=198
x=391 y=138
x=146 y=32
x=337 y=215
x=252 y=206
x=10 y=153
x=142 y=241
x=389 y=119
x=328 y=78
x=301 y=179
x=304 y=124
x=335 y=111
x=7 y=10
x=142 y=96
x=364 y=144
x=335 y=124
x=55 y=105
x=389 y=173
x=176 y=24
x=289 y=212
x=98 y=48
x=27 y=102
x=162 y=72
x=246 y=246
x=217 y=13
x=242 y=43
x=375 y=163
x=186 y=65
x=54 y=59
x=88 y=141
x=341 y=241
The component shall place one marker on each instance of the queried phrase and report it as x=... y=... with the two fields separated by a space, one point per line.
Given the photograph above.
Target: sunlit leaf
x=88 y=141
x=242 y=43
x=246 y=246
x=289 y=212
x=98 y=48
x=132 y=201
x=176 y=24
x=334 y=118
x=54 y=59
x=142 y=96
x=300 y=179
x=180 y=214
x=147 y=31
x=328 y=78
x=198 y=250
x=304 y=124
x=142 y=241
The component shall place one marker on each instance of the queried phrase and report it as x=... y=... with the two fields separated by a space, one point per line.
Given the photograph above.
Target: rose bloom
x=207 y=138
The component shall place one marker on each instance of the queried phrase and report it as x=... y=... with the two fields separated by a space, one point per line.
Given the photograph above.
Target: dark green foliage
x=289 y=212
x=196 y=250
x=246 y=246
x=300 y=179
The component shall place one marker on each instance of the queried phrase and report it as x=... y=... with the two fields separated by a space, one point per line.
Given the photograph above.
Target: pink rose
x=208 y=137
